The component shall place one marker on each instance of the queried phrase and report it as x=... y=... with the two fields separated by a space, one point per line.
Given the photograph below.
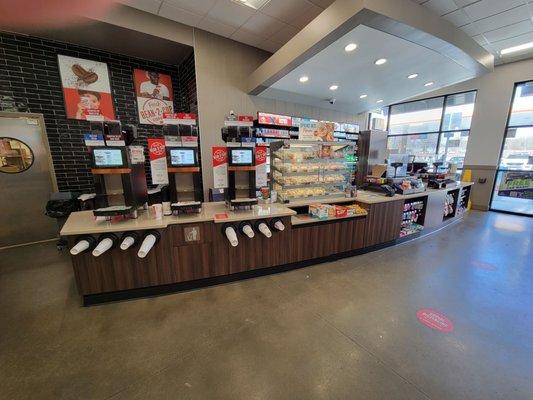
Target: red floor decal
x=483 y=265
x=434 y=320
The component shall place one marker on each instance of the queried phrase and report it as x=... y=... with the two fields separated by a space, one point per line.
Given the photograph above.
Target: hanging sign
x=154 y=96
x=307 y=129
x=274 y=119
x=261 y=166
x=219 y=157
x=242 y=120
x=93 y=139
x=158 y=160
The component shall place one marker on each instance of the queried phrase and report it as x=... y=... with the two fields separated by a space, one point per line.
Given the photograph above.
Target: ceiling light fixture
x=429 y=84
x=304 y=79
x=363 y=96
x=333 y=87
x=350 y=47
x=514 y=49
x=380 y=61
x=255 y=4
x=412 y=76
x=379 y=101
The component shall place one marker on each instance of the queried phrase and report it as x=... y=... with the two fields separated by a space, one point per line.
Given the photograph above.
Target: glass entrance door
x=513 y=189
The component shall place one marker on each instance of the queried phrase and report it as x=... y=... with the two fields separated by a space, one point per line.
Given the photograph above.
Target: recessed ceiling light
x=304 y=79
x=333 y=87
x=514 y=49
x=412 y=76
x=379 y=101
x=350 y=47
x=255 y=4
x=363 y=96
x=380 y=61
x=429 y=84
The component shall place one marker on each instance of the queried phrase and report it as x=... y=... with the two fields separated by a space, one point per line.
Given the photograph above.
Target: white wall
x=222 y=70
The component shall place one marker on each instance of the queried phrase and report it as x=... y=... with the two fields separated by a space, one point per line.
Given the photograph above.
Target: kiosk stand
x=118 y=171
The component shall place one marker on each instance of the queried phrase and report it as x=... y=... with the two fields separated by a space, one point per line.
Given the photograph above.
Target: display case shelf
x=311 y=169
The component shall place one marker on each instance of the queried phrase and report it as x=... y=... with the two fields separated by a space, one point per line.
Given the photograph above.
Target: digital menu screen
x=182 y=157
x=241 y=157
x=108 y=157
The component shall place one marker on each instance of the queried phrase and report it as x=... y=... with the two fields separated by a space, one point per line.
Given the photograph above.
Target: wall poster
x=86 y=89
x=154 y=96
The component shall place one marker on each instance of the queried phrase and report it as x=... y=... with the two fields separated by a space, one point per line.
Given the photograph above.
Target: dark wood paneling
x=179 y=232
x=349 y=234
x=383 y=222
x=313 y=241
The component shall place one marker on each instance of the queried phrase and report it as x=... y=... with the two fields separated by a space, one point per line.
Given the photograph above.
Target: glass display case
x=310 y=170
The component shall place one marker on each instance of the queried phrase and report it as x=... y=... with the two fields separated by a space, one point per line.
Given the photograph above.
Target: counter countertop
x=84 y=222
x=304 y=219
x=369 y=197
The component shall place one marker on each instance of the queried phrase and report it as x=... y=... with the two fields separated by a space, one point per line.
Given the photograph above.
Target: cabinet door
x=383 y=222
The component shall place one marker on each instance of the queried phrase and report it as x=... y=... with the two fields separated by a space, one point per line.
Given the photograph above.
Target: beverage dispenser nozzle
x=128 y=239
x=231 y=234
x=150 y=239
x=105 y=243
x=84 y=243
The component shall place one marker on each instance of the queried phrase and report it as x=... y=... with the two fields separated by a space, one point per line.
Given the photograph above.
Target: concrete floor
x=343 y=330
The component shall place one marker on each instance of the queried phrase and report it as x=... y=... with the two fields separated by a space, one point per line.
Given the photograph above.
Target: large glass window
x=513 y=189
x=435 y=129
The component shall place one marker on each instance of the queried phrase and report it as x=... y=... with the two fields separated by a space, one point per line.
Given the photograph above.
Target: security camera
x=332 y=101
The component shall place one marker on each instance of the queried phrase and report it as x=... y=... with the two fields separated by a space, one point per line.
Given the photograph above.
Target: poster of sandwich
x=86 y=89
x=154 y=96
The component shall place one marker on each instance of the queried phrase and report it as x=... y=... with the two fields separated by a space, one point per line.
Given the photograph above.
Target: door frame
x=44 y=139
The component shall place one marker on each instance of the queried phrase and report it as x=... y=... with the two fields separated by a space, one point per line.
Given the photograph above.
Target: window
x=435 y=129
x=15 y=156
x=513 y=189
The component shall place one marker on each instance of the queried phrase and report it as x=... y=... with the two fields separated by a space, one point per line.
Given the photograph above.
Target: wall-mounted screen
x=241 y=156
x=108 y=157
x=182 y=157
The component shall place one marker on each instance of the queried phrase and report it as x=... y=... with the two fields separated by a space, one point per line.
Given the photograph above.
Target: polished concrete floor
x=341 y=330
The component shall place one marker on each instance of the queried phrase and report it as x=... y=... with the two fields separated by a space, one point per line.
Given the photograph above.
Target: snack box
x=341 y=211
x=355 y=209
x=318 y=210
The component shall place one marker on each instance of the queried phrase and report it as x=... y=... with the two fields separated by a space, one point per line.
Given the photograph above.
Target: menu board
x=182 y=157
x=108 y=157
x=241 y=156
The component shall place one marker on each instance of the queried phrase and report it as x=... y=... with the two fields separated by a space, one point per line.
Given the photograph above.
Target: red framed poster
x=154 y=96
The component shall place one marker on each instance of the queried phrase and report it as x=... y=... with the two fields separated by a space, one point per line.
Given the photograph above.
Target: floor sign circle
x=434 y=320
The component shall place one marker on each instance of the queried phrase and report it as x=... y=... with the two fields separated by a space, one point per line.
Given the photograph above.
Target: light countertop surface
x=84 y=222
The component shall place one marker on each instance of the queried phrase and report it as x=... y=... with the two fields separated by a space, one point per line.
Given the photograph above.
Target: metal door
x=26 y=180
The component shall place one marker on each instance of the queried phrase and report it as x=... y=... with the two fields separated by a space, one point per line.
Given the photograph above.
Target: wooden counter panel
x=314 y=241
x=349 y=234
x=383 y=222
x=196 y=261
x=121 y=270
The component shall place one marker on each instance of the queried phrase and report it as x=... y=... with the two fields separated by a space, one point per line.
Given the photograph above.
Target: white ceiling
x=494 y=24
x=356 y=74
x=268 y=28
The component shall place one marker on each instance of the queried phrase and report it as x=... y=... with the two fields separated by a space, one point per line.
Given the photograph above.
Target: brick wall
x=29 y=75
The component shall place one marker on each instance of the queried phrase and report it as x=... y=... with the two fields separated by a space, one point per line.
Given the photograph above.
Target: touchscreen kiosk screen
x=108 y=157
x=241 y=156
x=181 y=157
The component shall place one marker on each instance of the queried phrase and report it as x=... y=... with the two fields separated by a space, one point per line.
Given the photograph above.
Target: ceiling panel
x=263 y=25
x=356 y=74
x=230 y=13
x=490 y=22
x=151 y=6
x=200 y=7
x=179 y=14
x=219 y=28
x=287 y=10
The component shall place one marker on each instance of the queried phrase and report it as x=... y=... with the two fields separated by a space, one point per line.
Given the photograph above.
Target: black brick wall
x=29 y=74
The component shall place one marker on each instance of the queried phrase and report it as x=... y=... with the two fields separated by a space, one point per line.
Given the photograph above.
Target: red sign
x=220 y=155
x=434 y=320
x=219 y=216
x=156 y=148
x=179 y=116
x=246 y=118
x=274 y=119
x=260 y=155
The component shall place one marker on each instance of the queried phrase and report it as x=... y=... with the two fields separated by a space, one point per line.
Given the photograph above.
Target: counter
x=192 y=250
